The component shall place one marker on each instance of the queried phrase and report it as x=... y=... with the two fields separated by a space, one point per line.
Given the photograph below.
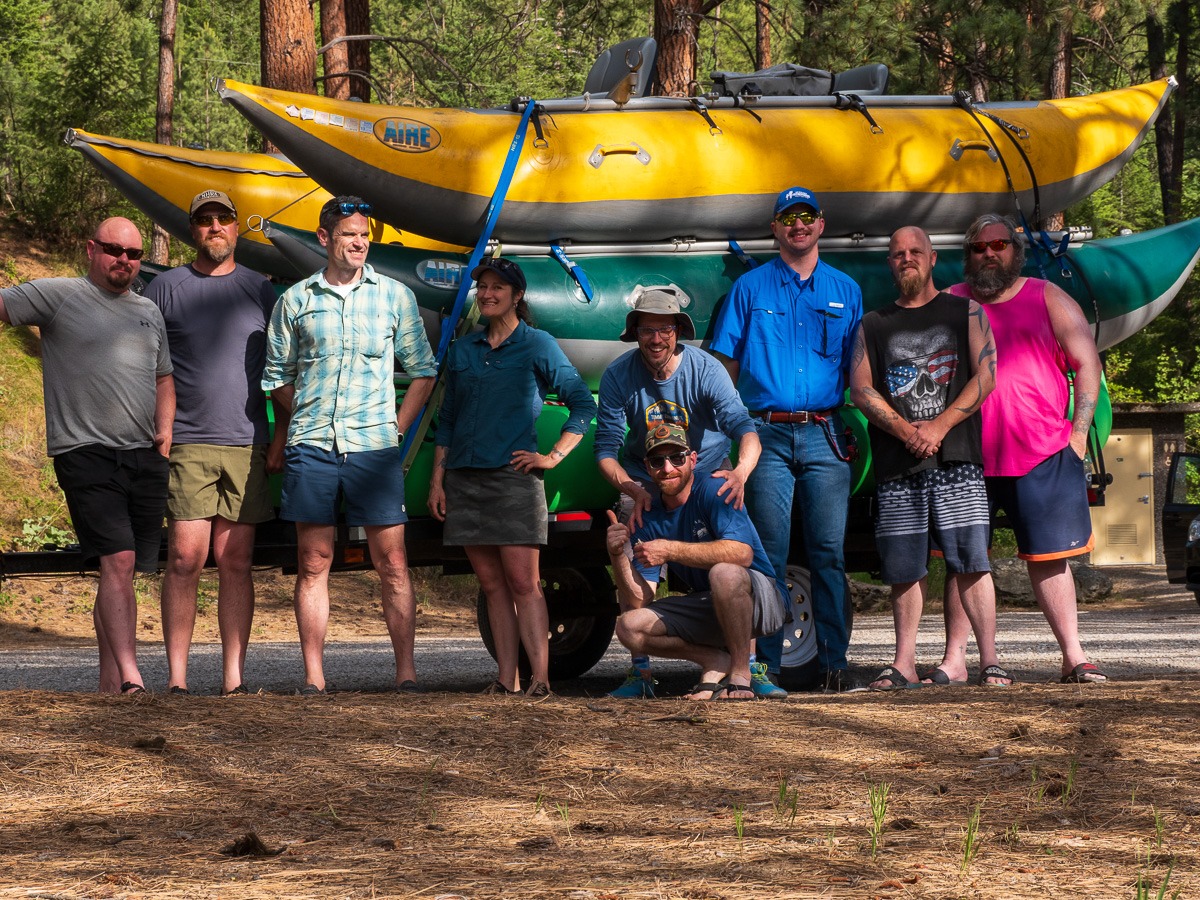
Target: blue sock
x=753 y=659
x=641 y=662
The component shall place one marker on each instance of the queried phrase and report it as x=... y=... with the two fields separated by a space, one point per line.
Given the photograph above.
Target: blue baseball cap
x=796 y=196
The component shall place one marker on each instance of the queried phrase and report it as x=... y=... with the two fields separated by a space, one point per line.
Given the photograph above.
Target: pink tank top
x=1025 y=417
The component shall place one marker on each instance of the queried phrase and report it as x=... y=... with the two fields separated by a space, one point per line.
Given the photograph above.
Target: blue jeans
x=799 y=477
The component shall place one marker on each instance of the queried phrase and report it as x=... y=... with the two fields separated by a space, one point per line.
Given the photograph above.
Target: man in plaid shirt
x=332 y=347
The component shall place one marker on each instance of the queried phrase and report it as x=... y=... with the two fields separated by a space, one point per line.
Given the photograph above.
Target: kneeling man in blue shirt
x=714 y=550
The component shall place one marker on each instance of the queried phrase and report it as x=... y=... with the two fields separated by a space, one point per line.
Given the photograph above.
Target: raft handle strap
x=698 y=106
x=573 y=270
x=856 y=103
x=539 y=140
x=743 y=257
x=415 y=435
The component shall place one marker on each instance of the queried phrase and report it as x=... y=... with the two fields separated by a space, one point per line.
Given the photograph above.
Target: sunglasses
x=348 y=208
x=116 y=251
x=806 y=216
x=995 y=246
x=658 y=462
x=649 y=331
x=205 y=220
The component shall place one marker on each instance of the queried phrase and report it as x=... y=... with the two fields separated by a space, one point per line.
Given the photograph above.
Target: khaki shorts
x=210 y=480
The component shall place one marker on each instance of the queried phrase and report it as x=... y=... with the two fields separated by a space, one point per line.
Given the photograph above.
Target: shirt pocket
x=833 y=332
x=371 y=335
x=319 y=334
x=768 y=325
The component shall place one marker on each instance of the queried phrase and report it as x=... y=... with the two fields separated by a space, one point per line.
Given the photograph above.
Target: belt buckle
x=802 y=417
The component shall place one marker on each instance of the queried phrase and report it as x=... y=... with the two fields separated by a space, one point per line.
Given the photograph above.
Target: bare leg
x=233 y=547
x=533 y=620
x=187 y=549
x=908 y=599
x=502 y=615
x=978 y=600
x=1054 y=588
x=645 y=634
x=399 y=600
x=733 y=603
x=314 y=551
x=958 y=631
x=115 y=615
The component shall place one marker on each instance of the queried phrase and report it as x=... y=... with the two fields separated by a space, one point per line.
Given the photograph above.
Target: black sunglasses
x=659 y=462
x=205 y=220
x=116 y=251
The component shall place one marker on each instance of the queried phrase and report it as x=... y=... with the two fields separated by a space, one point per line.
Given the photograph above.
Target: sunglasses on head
x=116 y=251
x=205 y=220
x=995 y=246
x=807 y=216
x=349 y=208
x=659 y=461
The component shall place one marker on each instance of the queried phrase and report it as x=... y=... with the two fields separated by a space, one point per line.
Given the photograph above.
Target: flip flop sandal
x=894 y=680
x=716 y=689
x=1085 y=673
x=937 y=676
x=729 y=687
x=995 y=672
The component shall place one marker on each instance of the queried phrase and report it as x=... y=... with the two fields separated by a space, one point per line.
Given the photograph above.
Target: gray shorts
x=492 y=507
x=692 y=618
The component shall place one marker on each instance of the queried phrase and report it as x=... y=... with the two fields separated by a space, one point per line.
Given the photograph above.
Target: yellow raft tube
x=161 y=181
x=662 y=168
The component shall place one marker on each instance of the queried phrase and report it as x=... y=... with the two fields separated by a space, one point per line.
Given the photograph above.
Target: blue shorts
x=943 y=509
x=316 y=481
x=1047 y=507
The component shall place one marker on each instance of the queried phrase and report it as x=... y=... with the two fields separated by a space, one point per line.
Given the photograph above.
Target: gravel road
x=1156 y=638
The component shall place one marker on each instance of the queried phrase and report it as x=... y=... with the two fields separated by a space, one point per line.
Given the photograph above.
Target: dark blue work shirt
x=791 y=337
x=494 y=397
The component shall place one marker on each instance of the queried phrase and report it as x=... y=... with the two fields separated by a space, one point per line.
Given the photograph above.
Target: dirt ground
x=1037 y=790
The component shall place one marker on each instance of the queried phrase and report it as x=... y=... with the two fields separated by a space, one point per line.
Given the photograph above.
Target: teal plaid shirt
x=341 y=355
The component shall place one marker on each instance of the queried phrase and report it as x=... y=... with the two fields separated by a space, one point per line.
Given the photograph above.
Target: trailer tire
x=800 y=634
x=583 y=615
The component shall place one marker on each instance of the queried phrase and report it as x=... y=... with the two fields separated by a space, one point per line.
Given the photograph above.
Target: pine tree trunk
x=358 y=21
x=676 y=30
x=289 y=49
x=164 y=113
x=1057 y=85
x=762 y=34
x=337 y=57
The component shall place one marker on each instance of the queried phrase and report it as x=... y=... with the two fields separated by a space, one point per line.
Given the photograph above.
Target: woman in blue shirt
x=487 y=474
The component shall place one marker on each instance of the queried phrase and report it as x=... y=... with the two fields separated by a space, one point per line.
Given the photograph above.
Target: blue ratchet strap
x=746 y=260
x=573 y=270
x=489 y=223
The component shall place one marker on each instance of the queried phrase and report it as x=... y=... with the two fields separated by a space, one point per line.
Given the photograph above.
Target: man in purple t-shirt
x=216 y=314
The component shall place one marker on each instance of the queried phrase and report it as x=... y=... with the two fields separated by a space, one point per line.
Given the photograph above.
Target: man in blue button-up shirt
x=785 y=334
x=332 y=349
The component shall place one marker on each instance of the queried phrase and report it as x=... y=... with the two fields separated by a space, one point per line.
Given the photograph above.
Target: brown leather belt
x=803 y=417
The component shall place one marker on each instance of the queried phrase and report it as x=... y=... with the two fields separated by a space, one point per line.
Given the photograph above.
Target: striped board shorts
x=944 y=509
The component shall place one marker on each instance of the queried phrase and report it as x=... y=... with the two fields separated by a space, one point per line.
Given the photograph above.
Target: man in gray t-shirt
x=216 y=313
x=110 y=402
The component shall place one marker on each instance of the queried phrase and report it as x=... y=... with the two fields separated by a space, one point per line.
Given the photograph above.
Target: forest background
x=94 y=64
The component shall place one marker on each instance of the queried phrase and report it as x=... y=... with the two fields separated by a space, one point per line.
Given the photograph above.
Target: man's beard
x=217 y=249
x=909 y=282
x=991 y=281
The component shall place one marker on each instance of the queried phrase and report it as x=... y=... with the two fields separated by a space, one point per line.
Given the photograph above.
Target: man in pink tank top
x=1032 y=451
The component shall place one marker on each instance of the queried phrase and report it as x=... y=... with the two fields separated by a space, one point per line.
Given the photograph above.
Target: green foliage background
x=93 y=64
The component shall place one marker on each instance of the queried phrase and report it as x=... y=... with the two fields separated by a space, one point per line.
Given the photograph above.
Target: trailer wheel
x=800 y=635
x=583 y=615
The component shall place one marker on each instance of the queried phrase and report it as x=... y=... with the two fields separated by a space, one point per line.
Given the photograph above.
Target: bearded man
x=1032 y=451
x=216 y=313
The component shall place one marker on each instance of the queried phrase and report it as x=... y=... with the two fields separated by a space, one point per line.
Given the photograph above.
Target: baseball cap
x=664 y=435
x=796 y=196
x=218 y=197
x=661 y=300
x=505 y=268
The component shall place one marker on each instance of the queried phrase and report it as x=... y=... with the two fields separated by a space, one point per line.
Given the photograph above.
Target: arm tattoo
x=974 y=405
